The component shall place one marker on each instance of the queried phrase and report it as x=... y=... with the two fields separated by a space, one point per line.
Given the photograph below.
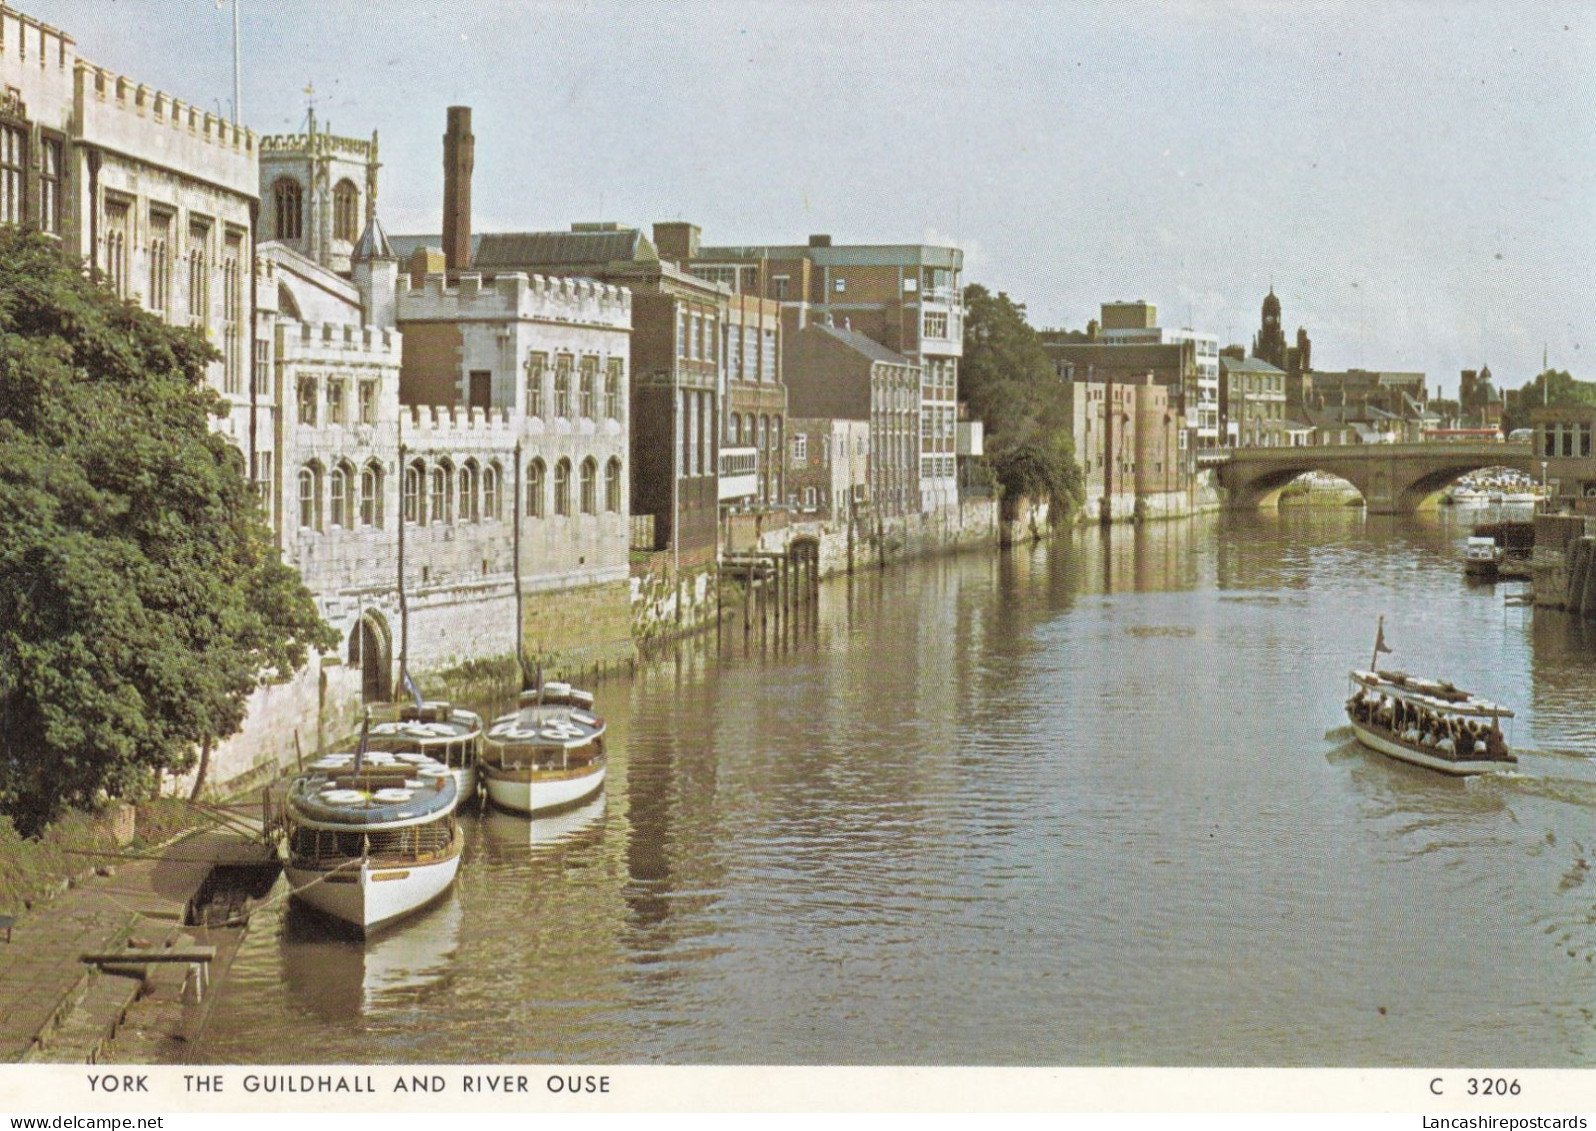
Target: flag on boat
x=1379 y=639
x=410 y=686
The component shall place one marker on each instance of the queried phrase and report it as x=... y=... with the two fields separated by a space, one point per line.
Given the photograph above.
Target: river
x=1085 y=803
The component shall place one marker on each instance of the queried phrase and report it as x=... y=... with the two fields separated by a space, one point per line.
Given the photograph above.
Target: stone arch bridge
x=1393 y=478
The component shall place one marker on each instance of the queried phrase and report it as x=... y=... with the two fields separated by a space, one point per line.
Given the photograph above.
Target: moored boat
x=370 y=837
x=547 y=754
x=1482 y=557
x=439 y=730
x=1427 y=723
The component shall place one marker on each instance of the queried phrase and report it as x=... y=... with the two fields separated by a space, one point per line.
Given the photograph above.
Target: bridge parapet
x=1393 y=478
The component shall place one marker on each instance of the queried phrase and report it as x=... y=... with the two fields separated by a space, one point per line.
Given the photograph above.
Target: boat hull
x=541 y=793
x=1394 y=748
x=373 y=895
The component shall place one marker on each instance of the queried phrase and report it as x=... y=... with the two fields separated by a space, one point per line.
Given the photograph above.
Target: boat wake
x=1570 y=791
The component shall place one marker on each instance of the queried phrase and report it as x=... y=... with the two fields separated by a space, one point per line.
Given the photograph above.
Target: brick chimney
x=459 y=148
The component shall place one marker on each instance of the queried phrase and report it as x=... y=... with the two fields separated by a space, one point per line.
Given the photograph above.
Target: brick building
x=838 y=374
x=907 y=298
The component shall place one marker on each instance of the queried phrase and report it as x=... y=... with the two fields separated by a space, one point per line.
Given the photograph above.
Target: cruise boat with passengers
x=1428 y=723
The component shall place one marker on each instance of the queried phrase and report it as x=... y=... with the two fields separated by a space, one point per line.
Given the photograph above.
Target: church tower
x=1270 y=343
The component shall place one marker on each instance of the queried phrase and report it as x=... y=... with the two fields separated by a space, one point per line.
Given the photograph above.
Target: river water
x=1080 y=804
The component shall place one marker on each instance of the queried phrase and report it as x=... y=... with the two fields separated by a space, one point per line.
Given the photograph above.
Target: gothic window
x=468 y=493
x=339 y=486
x=613 y=378
x=116 y=233
x=491 y=477
x=335 y=401
x=536 y=365
x=50 y=187
x=233 y=313
x=535 y=475
x=346 y=210
x=589 y=496
x=307 y=400
x=612 y=486
x=587 y=389
x=310 y=497
x=368 y=402
x=199 y=278
x=288 y=208
x=438 y=505
x=562 y=488
x=415 y=475
x=13 y=167
x=562 y=385
x=160 y=261
x=371 y=495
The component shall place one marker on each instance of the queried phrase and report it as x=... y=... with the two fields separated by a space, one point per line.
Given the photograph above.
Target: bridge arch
x=1392 y=478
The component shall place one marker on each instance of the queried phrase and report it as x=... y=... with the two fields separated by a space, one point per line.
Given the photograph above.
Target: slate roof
x=509 y=250
x=871 y=348
x=1250 y=365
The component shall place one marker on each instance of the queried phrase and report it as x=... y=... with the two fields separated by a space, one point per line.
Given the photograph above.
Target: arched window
x=340 y=484
x=491 y=476
x=288 y=208
x=415 y=476
x=562 y=487
x=468 y=493
x=589 y=496
x=535 y=474
x=346 y=211
x=612 y=486
x=310 y=497
x=439 y=508
x=371 y=494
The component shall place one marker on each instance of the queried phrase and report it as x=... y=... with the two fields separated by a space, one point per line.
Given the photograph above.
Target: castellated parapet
x=520 y=297
x=149 y=125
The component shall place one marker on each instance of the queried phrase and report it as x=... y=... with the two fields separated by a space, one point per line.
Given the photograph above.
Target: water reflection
x=1089 y=802
x=339 y=978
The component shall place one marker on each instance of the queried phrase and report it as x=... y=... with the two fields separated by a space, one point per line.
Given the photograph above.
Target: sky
x=1416 y=180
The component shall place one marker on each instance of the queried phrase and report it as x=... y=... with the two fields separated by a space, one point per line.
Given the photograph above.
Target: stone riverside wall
x=571 y=632
x=1563 y=561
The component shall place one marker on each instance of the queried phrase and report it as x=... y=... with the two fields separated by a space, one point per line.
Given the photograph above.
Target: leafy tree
x=1553 y=387
x=141 y=597
x=1009 y=382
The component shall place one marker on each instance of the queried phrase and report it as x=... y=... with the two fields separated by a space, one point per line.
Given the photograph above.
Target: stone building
x=1136 y=324
x=908 y=298
x=318 y=192
x=1253 y=393
x=1127 y=442
x=1565 y=444
x=155 y=195
x=1172 y=365
x=828 y=466
x=838 y=374
x=678 y=323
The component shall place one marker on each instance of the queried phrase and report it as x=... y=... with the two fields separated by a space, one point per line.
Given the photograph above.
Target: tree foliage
x=1553 y=387
x=1010 y=384
x=141 y=597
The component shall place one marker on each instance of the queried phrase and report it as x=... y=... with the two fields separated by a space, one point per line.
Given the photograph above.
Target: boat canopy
x=1438 y=696
x=382 y=796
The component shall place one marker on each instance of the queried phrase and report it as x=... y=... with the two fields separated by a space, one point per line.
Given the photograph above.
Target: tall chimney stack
x=459 y=148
